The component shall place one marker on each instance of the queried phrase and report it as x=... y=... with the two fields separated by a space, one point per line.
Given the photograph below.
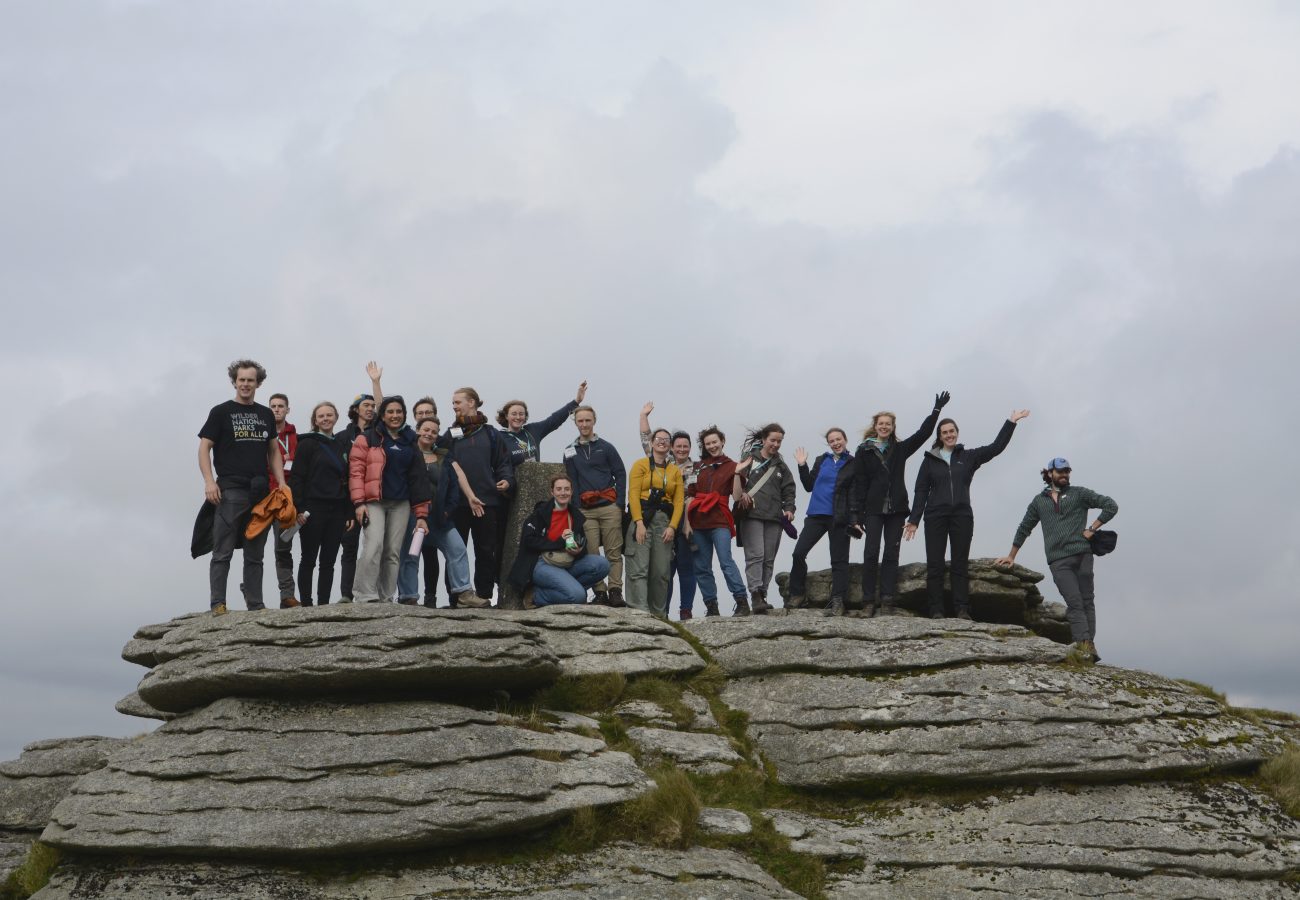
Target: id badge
x=458 y=433
x=570 y=452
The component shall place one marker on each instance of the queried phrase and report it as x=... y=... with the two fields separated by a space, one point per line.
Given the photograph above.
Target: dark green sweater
x=1063 y=524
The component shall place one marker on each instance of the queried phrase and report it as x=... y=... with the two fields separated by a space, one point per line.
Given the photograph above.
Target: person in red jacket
x=286 y=438
x=712 y=527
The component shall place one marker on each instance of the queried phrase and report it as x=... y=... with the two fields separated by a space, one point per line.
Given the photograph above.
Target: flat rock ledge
x=808 y=642
x=616 y=871
x=1152 y=840
x=705 y=754
x=992 y=723
x=375 y=650
x=284 y=780
x=33 y=784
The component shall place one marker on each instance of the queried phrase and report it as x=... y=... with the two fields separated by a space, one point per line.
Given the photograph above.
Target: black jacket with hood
x=533 y=541
x=879 y=486
x=943 y=488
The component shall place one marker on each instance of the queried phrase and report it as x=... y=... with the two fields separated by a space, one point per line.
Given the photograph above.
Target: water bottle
x=417 y=541
x=288 y=533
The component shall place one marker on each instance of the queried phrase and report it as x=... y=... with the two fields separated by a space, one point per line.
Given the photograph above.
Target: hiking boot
x=742 y=605
x=834 y=608
x=870 y=611
x=1089 y=649
x=409 y=601
x=685 y=615
x=471 y=600
x=887 y=607
x=964 y=613
x=289 y=603
x=219 y=609
x=345 y=599
x=261 y=607
x=431 y=602
x=616 y=598
x=796 y=601
x=601 y=598
x=711 y=608
x=761 y=606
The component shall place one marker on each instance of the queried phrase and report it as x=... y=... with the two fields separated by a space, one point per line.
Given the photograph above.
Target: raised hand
x=582 y=391
x=941 y=400
x=374 y=370
x=1018 y=415
x=648 y=408
x=801 y=456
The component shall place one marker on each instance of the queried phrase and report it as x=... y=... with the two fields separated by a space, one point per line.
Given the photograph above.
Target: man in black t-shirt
x=239 y=439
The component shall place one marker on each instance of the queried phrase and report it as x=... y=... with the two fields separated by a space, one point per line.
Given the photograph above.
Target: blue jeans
x=707 y=542
x=551 y=584
x=448 y=542
x=684 y=569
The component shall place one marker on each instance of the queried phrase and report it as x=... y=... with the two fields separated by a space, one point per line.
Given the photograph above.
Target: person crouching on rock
x=1063 y=510
x=654 y=498
x=943 y=495
x=712 y=525
x=880 y=501
x=553 y=555
x=820 y=518
x=388 y=483
x=764 y=494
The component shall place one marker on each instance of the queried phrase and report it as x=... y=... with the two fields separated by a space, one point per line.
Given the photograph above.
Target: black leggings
x=322 y=534
x=484 y=530
x=939 y=530
x=890 y=528
x=814 y=527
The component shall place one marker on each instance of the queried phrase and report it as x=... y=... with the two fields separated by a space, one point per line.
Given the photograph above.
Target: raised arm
x=645 y=425
x=375 y=371
x=913 y=443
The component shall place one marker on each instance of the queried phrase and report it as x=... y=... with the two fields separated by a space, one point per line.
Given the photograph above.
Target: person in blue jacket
x=819 y=519
x=942 y=495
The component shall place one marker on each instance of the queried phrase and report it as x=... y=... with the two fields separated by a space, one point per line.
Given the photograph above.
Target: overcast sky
x=744 y=211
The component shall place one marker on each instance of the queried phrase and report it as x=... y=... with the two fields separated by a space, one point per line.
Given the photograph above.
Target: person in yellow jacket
x=654 y=498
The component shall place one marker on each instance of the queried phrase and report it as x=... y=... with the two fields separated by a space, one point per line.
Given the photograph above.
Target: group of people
x=392 y=489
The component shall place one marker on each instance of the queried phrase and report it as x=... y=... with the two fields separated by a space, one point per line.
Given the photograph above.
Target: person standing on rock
x=821 y=518
x=482 y=454
x=879 y=507
x=361 y=417
x=319 y=481
x=943 y=496
x=446 y=487
x=599 y=480
x=1063 y=510
x=286 y=436
x=709 y=513
x=684 y=548
x=238 y=441
x=553 y=555
x=387 y=482
x=655 y=501
x=764 y=494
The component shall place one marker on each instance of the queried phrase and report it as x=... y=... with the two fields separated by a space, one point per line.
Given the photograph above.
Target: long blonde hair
x=870 y=431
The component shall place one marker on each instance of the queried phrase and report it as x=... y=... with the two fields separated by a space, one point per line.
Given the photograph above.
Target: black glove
x=941 y=400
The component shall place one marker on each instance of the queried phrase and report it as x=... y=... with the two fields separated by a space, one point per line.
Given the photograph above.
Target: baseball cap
x=1059 y=463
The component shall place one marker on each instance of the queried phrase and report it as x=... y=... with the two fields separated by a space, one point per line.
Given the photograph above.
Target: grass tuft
x=33 y=874
x=1280 y=776
x=1204 y=690
x=664 y=693
x=666 y=816
x=582 y=693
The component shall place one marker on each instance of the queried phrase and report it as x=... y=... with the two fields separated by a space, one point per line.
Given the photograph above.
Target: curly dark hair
x=233 y=369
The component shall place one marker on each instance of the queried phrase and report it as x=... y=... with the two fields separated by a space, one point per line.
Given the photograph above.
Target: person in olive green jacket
x=1063 y=510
